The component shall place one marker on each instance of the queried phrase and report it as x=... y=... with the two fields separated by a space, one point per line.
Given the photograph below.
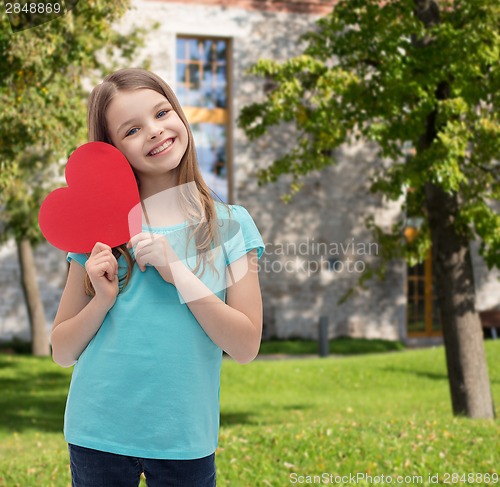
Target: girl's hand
x=153 y=249
x=102 y=268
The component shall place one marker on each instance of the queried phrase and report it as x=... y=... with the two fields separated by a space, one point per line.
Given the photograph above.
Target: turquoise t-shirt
x=148 y=383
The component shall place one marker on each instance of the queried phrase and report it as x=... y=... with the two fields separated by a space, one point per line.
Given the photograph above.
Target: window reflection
x=201 y=87
x=202 y=72
x=210 y=142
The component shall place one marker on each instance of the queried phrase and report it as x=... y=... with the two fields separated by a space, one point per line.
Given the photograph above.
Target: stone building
x=317 y=245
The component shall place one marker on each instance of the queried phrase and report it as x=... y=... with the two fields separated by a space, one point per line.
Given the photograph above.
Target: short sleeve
x=80 y=258
x=243 y=235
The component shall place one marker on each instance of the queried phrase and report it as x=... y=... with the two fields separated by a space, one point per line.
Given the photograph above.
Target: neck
x=149 y=186
x=160 y=204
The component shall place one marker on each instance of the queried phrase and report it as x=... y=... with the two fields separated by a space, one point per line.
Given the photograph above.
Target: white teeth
x=168 y=143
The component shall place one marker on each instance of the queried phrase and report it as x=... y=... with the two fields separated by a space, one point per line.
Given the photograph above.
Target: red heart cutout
x=100 y=204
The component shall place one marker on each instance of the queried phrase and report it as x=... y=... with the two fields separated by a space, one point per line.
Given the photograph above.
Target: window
x=202 y=87
x=422 y=311
x=423 y=317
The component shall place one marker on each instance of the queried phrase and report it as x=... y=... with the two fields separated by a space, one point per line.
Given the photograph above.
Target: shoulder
x=80 y=258
x=239 y=232
x=235 y=216
x=232 y=212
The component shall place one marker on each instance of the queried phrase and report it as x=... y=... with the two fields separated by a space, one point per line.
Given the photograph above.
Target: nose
x=155 y=130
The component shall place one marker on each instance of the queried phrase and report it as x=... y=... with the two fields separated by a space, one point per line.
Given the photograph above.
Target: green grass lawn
x=338 y=346
x=379 y=414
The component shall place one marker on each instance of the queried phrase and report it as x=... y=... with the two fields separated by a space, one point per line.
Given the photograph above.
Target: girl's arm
x=80 y=316
x=78 y=319
x=236 y=327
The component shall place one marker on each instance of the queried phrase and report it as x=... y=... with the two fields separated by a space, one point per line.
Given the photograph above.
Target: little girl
x=144 y=330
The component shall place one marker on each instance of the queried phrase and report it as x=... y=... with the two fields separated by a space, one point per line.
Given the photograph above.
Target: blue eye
x=129 y=132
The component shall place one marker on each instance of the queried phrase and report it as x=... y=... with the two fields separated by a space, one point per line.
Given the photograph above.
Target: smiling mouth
x=162 y=147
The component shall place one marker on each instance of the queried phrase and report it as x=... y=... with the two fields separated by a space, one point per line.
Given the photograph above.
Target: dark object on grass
x=490 y=319
x=323 y=345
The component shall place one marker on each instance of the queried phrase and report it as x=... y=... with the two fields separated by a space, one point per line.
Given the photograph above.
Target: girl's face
x=141 y=124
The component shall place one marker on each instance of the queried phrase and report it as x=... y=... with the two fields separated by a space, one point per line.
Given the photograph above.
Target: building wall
x=286 y=6
x=487 y=281
x=297 y=285
x=331 y=206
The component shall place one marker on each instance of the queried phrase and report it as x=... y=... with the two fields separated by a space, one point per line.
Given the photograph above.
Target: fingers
x=154 y=253
x=142 y=256
x=102 y=261
x=105 y=269
x=111 y=260
x=99 y=247
x=145 y=237
x=138 y=238
x=104 y=255
x=142 y=246
x=144 y=243
x=102 y=268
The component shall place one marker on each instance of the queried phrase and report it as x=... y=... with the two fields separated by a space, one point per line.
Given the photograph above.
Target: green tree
x=43 y=118
x=407 y=73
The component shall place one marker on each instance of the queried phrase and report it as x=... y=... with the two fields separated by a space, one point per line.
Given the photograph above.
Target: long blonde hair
x=188 y=170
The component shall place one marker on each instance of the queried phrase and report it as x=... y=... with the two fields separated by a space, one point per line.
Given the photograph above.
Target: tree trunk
x=453 y=273
x=40 y=339
x=456 y=292
x=462 y=332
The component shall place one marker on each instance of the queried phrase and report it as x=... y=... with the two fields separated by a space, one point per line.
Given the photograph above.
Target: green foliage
x=373 y=71
x=43 y=116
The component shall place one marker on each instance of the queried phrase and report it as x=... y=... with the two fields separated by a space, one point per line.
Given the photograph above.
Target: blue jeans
x=95 y=468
